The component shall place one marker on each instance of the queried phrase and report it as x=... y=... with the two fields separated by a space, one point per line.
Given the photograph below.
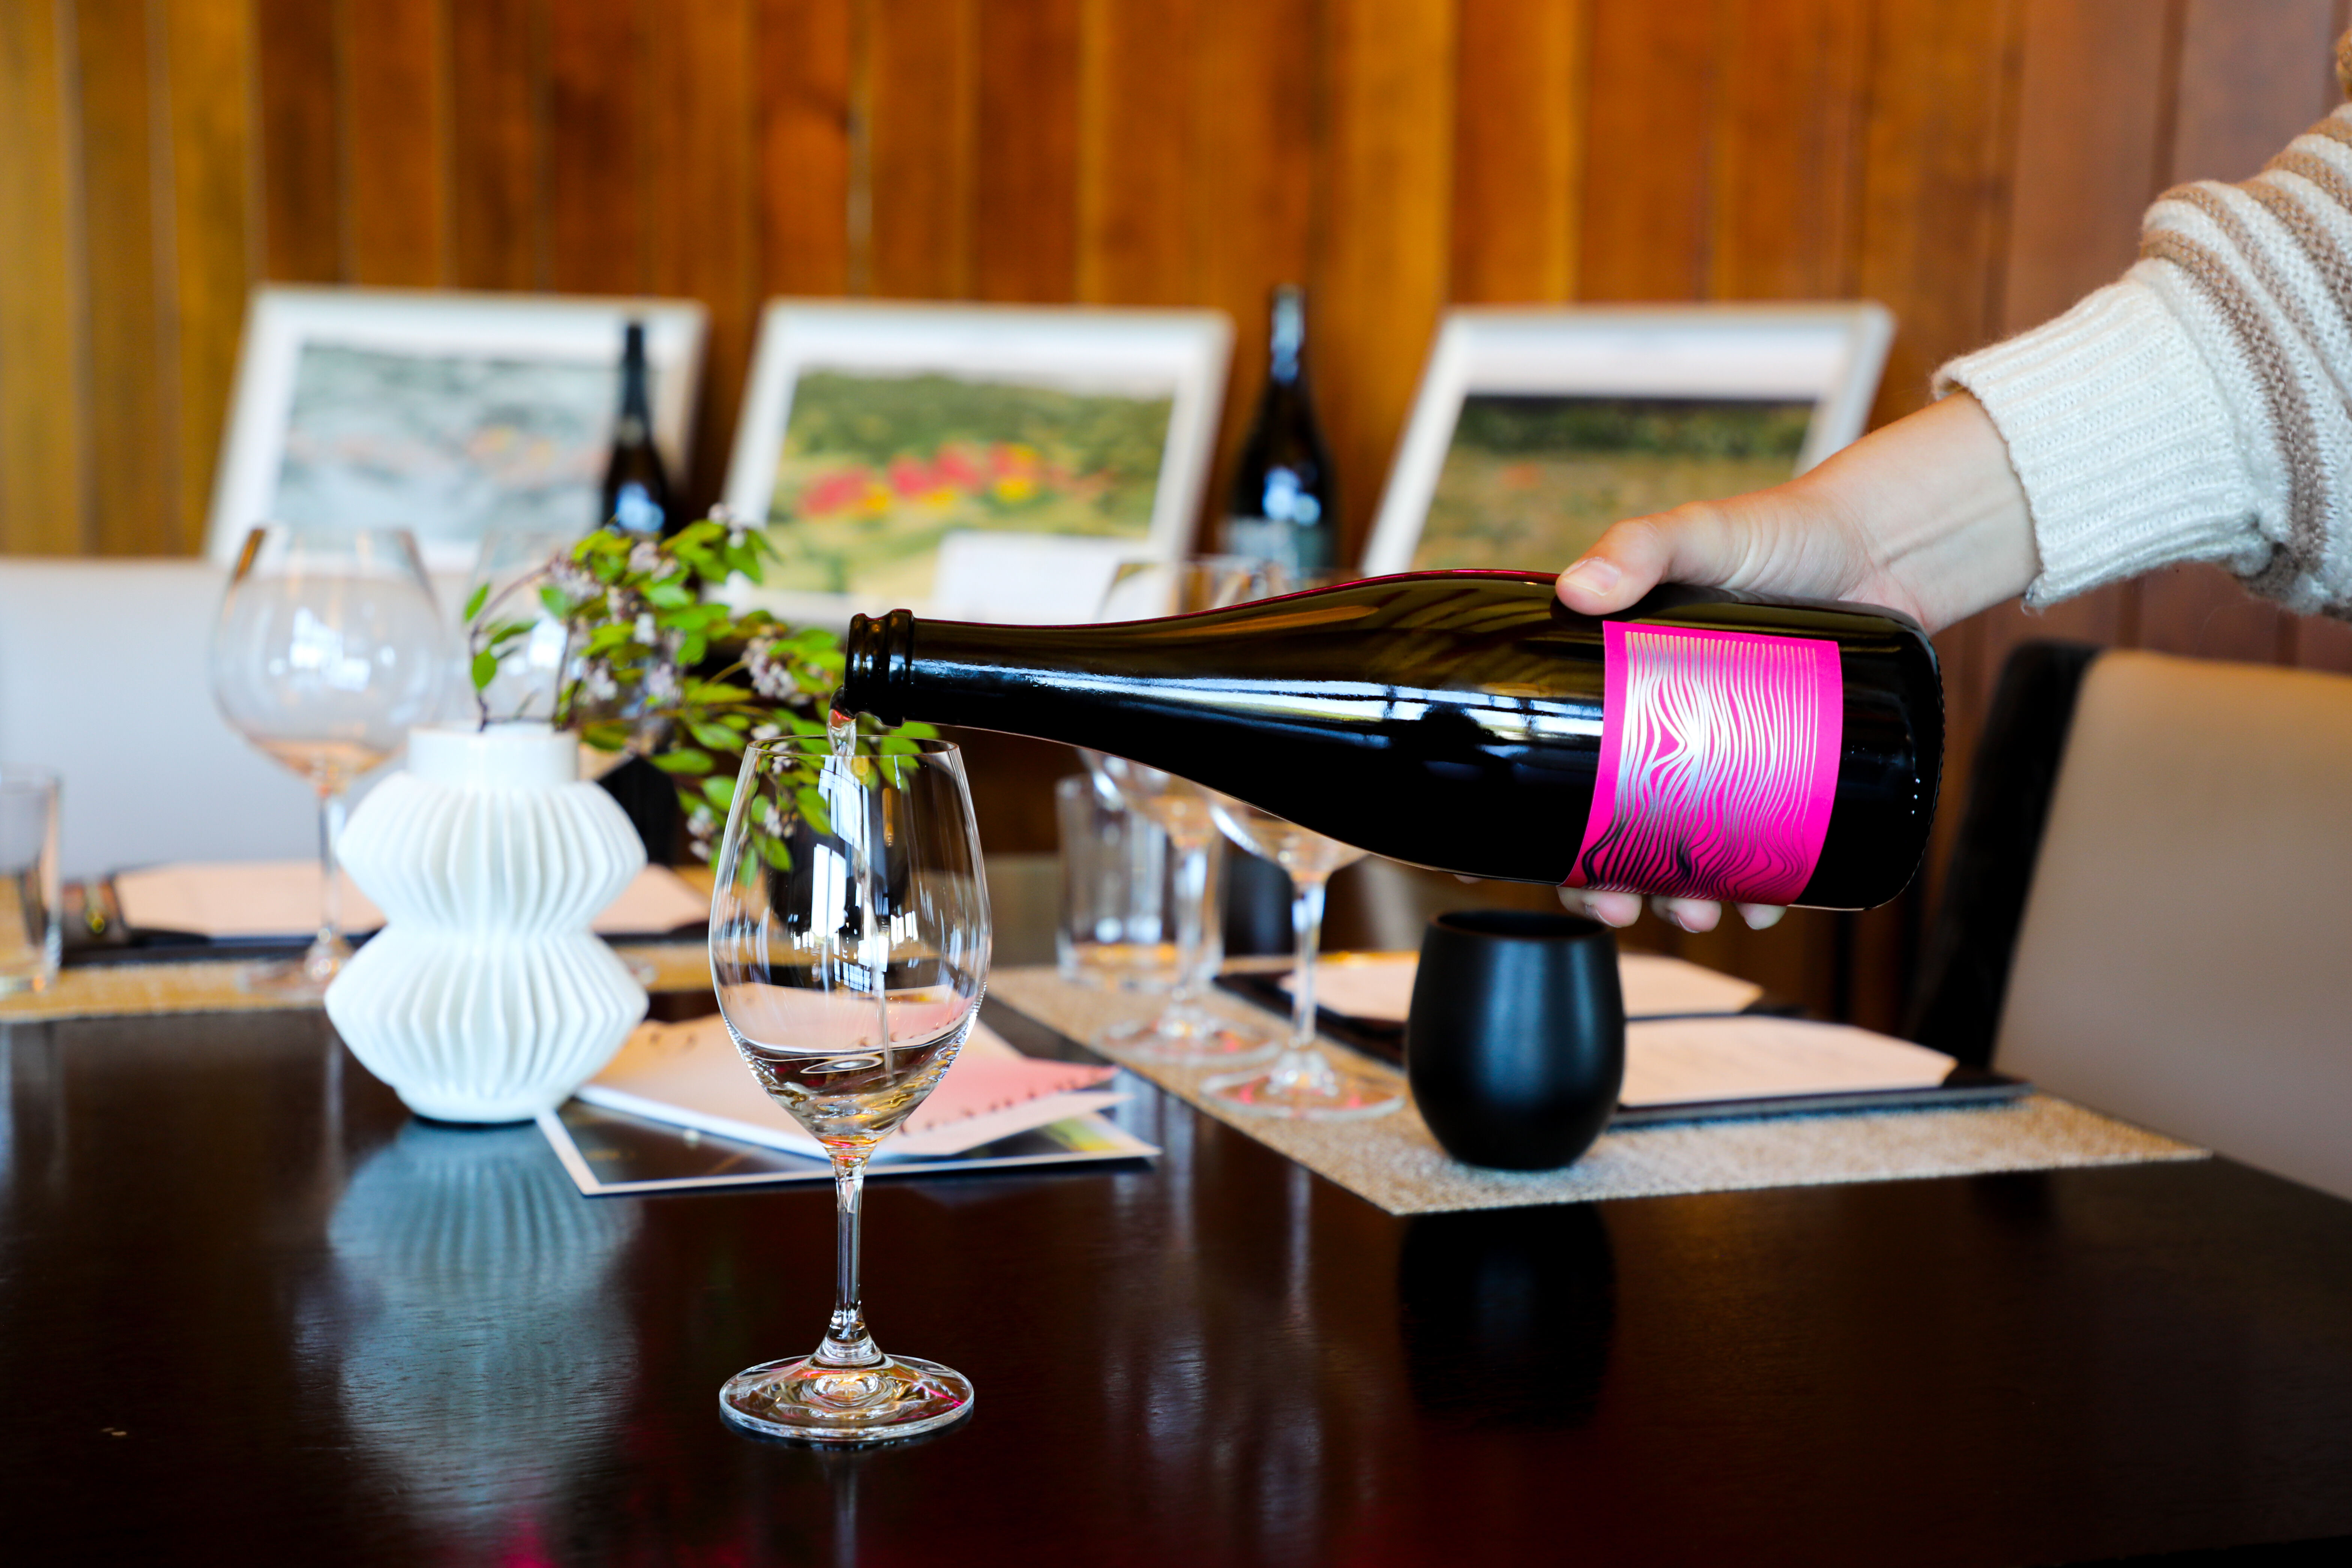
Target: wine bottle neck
x=1286 y=337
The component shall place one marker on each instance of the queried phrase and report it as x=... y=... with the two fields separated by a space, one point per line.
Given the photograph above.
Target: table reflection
x=473 y=1336
x=1509 y=1313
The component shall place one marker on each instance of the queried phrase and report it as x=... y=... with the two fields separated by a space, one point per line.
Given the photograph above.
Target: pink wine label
x=1719 y=764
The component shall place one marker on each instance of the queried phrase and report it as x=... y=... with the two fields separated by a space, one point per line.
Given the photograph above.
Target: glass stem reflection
x=1301 y=1069
x=846 y=1343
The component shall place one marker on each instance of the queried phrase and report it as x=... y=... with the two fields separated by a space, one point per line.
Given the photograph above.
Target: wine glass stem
x=331 y=880
x=1192 y=894
x=1306 y=927
x=846 y=1343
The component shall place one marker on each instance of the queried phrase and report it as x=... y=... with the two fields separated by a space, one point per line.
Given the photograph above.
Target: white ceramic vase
x=486 y=998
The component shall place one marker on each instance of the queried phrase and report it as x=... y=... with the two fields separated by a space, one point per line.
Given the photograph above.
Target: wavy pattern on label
x=1719 y=764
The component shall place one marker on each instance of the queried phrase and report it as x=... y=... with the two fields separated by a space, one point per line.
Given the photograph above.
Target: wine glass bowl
x=329 y=647
x=849 y=949
x=1303 y=1082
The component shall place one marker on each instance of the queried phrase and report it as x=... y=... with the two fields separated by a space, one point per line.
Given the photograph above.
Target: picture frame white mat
x=438 y=325
x=1185 y=352
x=1830 y=356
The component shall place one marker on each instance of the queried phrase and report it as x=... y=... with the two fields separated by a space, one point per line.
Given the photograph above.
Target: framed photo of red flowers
x=986 y=463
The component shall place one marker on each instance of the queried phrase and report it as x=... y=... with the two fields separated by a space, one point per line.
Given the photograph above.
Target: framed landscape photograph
x=443 y=413
x=976 y=462
x=1534 y=430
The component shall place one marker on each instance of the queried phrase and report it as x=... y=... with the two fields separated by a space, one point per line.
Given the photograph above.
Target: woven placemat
x=1394 y=1163
x=218 y=985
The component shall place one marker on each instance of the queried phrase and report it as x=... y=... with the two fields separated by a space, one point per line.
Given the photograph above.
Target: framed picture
x=978 y=462
x=1534 y=430
x=441 y=413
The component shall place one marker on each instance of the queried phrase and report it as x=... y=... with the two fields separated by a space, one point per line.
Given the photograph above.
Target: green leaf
x=813 y=809
x=720 y=792
x=557 y=605
x=604 y=639
x=694 y=649
x=669 y=595
x=486 y=669
x=474 y=604
x=606 y=734
x=685 y=759
x=718 y=737
x=773 y=852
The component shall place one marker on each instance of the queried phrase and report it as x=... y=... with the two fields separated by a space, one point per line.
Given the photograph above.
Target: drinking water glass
x=30 y=931
x=1119 y=878
x=849 y=946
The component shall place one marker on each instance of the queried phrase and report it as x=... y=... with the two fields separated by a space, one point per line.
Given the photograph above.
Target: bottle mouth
x=876 y=661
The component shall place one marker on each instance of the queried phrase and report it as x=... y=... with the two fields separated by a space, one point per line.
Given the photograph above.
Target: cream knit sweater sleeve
x=2200 y=407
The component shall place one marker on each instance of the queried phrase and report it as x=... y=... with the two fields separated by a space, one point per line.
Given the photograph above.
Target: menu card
x=1752 y=1056
x=690 y=1075
x=1378 y=986
x=248 y=901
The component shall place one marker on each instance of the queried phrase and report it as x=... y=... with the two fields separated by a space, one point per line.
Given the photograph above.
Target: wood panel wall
x=1975 y=166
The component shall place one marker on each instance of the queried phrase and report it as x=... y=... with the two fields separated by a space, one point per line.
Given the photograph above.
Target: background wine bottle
x=637 y=500
x=1464 y=720
x=636 y=493
x=1284 y=506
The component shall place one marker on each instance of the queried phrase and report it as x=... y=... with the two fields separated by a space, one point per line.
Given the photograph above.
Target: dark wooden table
x=250 y=1312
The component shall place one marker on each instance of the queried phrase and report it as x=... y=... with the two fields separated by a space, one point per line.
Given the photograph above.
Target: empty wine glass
x=1303 y=1083
x=1184 y=1031
x=328 y=648
x=849 y=946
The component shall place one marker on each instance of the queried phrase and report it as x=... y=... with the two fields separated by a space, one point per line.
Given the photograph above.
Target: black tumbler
x=1515 y=1045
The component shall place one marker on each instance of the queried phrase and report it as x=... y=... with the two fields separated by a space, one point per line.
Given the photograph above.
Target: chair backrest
x=2186 y=956
x=104 y=676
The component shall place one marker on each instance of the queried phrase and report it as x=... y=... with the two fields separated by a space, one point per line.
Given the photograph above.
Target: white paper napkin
x=250 y=900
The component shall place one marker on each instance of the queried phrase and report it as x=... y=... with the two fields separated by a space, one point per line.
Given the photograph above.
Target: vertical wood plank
x=208 y=68
x=1385 y=236
x=1025 y=173
x=495 y=80
x=597 y=131
x=1516 y=150
x=701 y=62
x=41 y=479
x=921 y=110
x=399 y=139
x=1135 y=114
x=2251 y=78
x=1642 y=235
x=1250 y=191
x=132 y=497
x=805 y=63
x=1935 y=184
x=301 y=162
x=2091 y=103
x=1787 y=163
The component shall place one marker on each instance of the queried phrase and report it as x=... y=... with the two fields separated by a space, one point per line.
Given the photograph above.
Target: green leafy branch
x=650 y=667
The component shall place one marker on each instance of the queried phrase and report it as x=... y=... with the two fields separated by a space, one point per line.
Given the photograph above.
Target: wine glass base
x=899 y=1396
x=1188 y=1036
x=303 y=979
x=1352 y=1095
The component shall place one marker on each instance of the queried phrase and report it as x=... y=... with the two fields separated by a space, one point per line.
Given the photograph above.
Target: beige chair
x=2185 y=959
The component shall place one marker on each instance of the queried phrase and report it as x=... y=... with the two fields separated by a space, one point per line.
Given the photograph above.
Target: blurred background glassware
x=1118 y=876
x=1141 y=589
x=1182 y=1031
x=31 y=933
x=328 y=649
x=1516 y=1042
x=1303 y=1083
x=849 y=946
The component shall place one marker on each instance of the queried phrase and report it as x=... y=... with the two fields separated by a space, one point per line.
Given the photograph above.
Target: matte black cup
x=1515 y=1045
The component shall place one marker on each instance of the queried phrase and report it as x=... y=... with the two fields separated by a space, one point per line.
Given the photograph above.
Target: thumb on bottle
x=1689 y=544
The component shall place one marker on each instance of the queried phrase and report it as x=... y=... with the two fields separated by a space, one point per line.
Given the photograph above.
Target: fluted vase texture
x=486 y=998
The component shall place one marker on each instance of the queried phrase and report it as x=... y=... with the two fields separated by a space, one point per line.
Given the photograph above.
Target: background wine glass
x=1182 y=1030
x=1303 y=1082
x=849 y=946
x=328 y=648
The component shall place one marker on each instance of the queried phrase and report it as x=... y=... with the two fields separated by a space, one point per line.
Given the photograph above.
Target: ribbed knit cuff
x=2119 y=434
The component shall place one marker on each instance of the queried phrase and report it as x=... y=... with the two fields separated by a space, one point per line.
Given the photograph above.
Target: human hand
x=1925 y=517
